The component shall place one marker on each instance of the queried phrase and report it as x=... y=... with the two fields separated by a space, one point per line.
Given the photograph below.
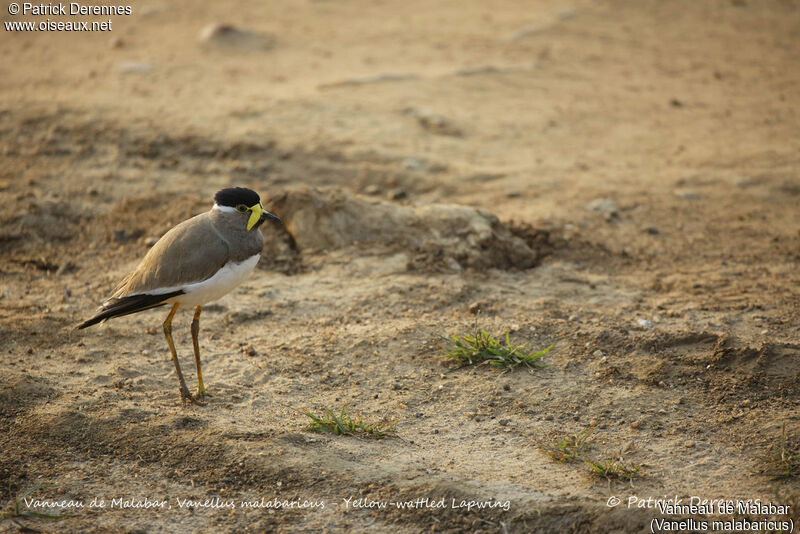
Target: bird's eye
x=241 y=208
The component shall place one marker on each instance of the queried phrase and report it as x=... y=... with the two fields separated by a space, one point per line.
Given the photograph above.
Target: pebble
x=133 y=67
x=644 y=323
x=689 y=444
x=503 y=422
x=414 y=164
x=688 y=195
x=226 y=35
x=602 y=205
x=598 y=353
x=650 y=229
x=635 y=425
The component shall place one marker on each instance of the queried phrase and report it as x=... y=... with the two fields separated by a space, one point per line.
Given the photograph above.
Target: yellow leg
x=201 y=390
x=185 y=395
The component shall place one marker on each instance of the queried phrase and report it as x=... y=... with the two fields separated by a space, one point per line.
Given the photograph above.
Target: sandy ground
x=642 y=156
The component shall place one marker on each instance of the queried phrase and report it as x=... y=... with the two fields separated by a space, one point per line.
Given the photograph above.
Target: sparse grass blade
x=613 y=467
x=481 y=347
x=783 y=462
x=346 y=425
x=569 y=448
x=14 y=507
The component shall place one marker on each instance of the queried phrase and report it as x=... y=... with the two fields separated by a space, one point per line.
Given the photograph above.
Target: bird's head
x=246 y=203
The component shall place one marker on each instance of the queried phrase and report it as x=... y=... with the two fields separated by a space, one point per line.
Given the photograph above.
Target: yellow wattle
x=255 y=215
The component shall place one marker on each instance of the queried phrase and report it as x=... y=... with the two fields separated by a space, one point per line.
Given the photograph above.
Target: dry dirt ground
x=634 y=167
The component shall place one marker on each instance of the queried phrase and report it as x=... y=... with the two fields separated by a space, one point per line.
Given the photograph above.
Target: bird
x=198 y=261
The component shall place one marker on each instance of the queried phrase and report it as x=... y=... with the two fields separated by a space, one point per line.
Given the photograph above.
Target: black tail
x=128 y=305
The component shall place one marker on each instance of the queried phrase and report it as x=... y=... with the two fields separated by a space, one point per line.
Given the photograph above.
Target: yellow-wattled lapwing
x=198 y=261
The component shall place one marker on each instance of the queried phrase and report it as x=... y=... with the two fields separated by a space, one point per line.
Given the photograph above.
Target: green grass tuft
x=613 y=467
x=14 y=508
x=567 y=449
x=481 y=348
x=346 y=424
x=783 y=462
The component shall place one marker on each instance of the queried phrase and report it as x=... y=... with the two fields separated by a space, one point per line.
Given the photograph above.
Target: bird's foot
x=187 y=397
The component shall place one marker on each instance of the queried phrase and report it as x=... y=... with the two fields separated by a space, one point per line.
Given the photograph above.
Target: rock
x=744 y=182
x=689 y=444
x=414 y=164
x=132 y=67
x=436 y=236
x=688 y=195
x=644 y=323
x=602 y=205
x=650 y=229
x=397 y=193
x=434 y=123
x=474 y=308
x=226 y=36
x=598 y=354
x=150 y=241
x=503 y=422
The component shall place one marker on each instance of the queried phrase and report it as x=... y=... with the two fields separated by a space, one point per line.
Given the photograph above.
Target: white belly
x=219 y=285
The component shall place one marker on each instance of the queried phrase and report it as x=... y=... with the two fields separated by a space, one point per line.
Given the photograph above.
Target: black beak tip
x=268 y=215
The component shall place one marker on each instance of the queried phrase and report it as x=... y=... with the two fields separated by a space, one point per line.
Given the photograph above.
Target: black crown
x=233 y=196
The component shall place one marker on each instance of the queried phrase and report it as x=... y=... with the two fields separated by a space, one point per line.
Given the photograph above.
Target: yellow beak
x=255 y=216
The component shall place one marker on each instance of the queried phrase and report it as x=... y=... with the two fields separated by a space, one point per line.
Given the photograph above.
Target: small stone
x=549 y=417
x=133 y=67
x=650 y=229
x=574 y=318
x=150 y=241
x=469 y=415
x=397 y=193
x=506 y=387
x=661 y=384
x=602 y=205
x=474 y=308
x=689 y=444
x=688 y=195
x=503 y=422
x=120 y=236
x=513 y=194
x=231 y=37
x=372 y=189
x=249 y=351
x=662 y=411
x=635 y=425
x=414 y=164
x=593 y=422
x=598 y=353
x=644 y=323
